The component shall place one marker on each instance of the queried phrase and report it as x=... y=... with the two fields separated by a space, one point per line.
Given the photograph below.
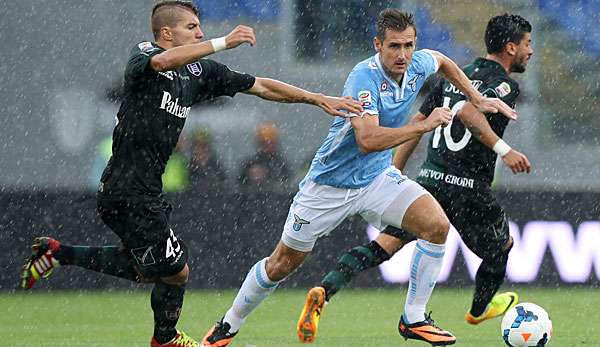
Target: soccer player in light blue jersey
x=352 y=173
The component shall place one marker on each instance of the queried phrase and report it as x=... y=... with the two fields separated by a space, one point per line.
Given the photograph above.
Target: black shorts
x=142 y=224
x=476 y=215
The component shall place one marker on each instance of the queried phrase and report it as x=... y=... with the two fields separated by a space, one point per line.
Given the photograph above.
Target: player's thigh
x=482 y=225
x=387 y=199
x=143 y=226
x=426 y=219
x=315 y=212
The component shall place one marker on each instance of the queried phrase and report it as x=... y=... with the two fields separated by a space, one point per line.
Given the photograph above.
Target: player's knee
x=437 y=230
x=279 y=268
x=179 y=279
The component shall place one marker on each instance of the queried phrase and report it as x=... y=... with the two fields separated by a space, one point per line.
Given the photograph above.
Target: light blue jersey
x=339 y=162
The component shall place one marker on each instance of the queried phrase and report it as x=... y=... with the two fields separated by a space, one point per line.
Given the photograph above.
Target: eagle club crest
x=298 y=222
x=194 y=68
x=413 y=83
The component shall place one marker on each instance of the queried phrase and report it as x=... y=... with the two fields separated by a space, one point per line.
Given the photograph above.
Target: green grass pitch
x=354 y=318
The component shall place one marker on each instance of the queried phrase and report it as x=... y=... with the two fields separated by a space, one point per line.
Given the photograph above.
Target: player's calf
x=41 y=263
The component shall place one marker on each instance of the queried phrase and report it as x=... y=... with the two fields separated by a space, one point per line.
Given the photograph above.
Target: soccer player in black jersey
x=163 y=79
x=458 y=172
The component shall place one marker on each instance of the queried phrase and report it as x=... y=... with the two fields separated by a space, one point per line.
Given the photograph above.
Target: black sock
x=488 y=280
x=166 y=301
x=110 y=260
x=351 y=264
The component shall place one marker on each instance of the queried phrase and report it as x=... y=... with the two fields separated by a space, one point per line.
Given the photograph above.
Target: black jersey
x=153 y=113
x=454 y=156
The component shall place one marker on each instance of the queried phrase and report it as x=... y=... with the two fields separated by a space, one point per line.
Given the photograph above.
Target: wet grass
x=354 y=318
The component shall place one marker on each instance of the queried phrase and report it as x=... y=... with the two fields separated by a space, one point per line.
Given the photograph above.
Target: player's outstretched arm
x=405 y=150
x=186 y=54
x=371 y=137
x=275 y=90
x=457 y=77
x=478 y=125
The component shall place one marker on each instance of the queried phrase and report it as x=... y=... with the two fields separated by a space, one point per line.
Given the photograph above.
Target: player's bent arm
x=274 y=90
x=370 y=137
x=457 y=77
x=179 y=56
x=405 y=150
x=186 y=54
x=453 y=73
x=478 y=125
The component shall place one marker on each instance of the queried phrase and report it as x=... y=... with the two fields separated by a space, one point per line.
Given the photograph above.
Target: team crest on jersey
x=298 y=222
x=194 y=68
x=503 y=89
x=384 y=86
x=364 y=97
x=413 y=83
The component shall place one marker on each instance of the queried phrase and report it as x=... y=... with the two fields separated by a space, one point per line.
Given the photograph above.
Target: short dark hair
x=165 y=13
x=504 y=29
x=394 y=19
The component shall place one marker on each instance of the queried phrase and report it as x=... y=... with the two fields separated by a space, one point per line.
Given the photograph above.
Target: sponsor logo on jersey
x=364 y=97
x=194 y=68
x=173 y=107
x=503 y=89
x=298 y=222
x=448 y=178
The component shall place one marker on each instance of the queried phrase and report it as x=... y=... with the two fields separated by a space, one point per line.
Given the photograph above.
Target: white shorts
x=318 y=209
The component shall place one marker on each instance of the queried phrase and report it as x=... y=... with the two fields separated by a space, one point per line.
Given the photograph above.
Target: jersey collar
x=490 y=64
x=398 y=91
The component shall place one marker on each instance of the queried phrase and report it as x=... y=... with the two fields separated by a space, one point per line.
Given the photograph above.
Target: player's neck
x=164 y=44
x=505 y=63
x=395 y=77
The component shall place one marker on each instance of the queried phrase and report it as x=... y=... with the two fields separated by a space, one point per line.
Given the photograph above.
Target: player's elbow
x=365 y=145
x=160 y=63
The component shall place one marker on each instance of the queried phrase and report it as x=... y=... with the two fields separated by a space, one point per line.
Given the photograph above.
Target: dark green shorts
x=476 y=215
x=142 y=224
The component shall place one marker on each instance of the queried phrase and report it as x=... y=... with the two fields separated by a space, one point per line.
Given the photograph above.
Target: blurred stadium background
x=62 y=64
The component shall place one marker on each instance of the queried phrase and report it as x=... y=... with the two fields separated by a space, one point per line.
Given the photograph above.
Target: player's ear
x=377 y=44
x=511 y=48
x=166 y=33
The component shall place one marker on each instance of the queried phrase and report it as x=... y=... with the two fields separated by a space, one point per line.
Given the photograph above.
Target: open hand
x=335 y=105
x=494 y=105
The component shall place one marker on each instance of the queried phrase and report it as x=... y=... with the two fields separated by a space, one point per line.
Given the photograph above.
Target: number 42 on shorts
x=173 y=246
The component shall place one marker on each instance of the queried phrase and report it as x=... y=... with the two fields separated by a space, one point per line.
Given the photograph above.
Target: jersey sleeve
x=503 y=88
x=433 y=99
x=224 y=81
x=362 y=86
x=139 y=60
x=424 y=63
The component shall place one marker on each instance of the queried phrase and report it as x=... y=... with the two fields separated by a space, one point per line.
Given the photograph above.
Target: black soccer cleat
x=427 y=331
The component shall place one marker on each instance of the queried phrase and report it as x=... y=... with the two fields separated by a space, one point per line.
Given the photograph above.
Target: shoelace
x=185 y=341
x=222 y=329
x=430 y=320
